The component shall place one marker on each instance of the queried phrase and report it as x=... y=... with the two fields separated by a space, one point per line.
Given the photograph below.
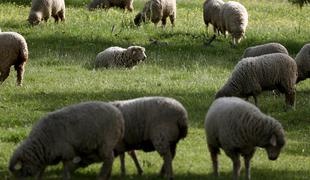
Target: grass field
x=60 y=73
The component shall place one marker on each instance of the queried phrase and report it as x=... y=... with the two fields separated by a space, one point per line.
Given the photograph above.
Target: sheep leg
x=162 y=146
x=39 y=176
x=69 y=167
x=129 y=5
x=172 y=18
x=108 y=158
x=173 y=147
x=255 y=100
x=214 y=151
x=247 y=161
x=235 y=157
x=163 y=22
x=61 y=15
x=4 y=74
x=290 y=99
x=20 y=73
x=135 y=160
x=56 y=18
x=122 y=160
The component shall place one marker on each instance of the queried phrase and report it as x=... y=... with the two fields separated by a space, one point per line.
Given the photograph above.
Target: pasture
x=60 y=73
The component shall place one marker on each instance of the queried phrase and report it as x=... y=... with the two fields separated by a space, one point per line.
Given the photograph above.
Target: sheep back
x=255 y=74
x=234 y=19
x=76 y=130
x=13 y=51
x=303 y=62
x=264 y=49
x=147 y=117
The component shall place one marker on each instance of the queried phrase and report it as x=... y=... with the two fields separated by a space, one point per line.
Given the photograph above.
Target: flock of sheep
x=89 y=132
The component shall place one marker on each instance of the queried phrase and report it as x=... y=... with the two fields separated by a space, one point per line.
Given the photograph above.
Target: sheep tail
x=22 y=56
x=182 y=123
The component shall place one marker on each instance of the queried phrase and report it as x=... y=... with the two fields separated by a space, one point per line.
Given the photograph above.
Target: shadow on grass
x=260 y=174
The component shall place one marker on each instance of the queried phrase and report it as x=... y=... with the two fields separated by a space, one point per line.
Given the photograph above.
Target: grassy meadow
x=60 y=73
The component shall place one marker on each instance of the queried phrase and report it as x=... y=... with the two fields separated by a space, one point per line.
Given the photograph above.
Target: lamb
x=253 y=75
x=120 y=57
x=211 y=13
x=234 y=19
x=157 y=10
x=124 y=4
x=238 y=127
x=303 y=62
x=153 y=123
x=262 y=49
x=44 y=9
x=74 y=131
x=13 y=51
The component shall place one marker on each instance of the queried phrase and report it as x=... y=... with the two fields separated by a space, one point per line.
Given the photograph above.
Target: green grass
x=60 y=73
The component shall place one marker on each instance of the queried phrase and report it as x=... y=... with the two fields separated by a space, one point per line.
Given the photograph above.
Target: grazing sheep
x=13 y=51
x=211 y=13
x=262 y=49
x=303 y=62
x=253 y=75
x=120 y=57
x=153 y=123
x=234 y=19
x=74 y=131
x=44 y=9
x=238 y=127
x=124 y=4
x=157 y=10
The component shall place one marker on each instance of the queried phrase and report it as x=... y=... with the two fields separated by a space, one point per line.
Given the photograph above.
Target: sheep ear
x=273 y=140
x=18 y=166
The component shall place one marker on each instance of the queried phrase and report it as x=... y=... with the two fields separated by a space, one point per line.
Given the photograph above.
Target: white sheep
x=253 y=75
x=89 y=128
x=157 y=10
x=303 y=63
x=124 y=4
x=44 y=9
x=264 y=49
x=234 y=19
x=211 y=14
x=120 y=57
x=13 y=51
x=153 y=123
x=238 y=127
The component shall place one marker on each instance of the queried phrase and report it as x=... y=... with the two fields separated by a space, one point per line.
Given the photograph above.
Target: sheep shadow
x=256 y=173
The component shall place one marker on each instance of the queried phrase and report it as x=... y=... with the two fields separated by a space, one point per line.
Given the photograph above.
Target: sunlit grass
x=60 y=73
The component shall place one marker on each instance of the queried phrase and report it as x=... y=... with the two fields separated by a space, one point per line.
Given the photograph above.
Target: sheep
x=153 y=123
x=238 y=127
x=157 y=10
x=120 y=57
x=303 y=62
x=234 y=19
x=211 y=13
x=124 y=4
x=253 y=75
x=74 y=131
x=44 y=9
x=264 y=49
x=13 y=51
